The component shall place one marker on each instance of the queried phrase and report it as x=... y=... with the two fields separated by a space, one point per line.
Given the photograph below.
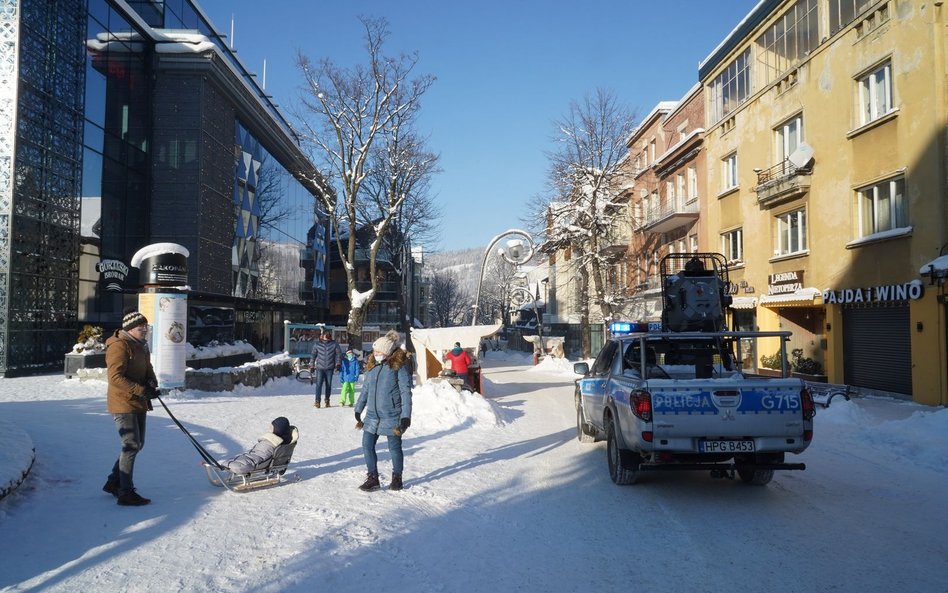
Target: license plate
x=726 y=446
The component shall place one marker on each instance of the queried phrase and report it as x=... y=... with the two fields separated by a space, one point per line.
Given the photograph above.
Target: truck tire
x=622 y=470
x=583 y=433
x=757 y=477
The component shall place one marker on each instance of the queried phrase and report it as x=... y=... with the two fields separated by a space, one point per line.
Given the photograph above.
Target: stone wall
x=221 y=379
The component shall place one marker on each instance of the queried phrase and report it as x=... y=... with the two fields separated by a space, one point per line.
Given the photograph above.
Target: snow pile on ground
x=437 y=407
x=15 y=460
x=922 y=436
x=558 y=366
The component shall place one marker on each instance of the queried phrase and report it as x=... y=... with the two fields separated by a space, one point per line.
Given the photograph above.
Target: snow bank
x=556 y=366
x=921 y=437
x=438 y=407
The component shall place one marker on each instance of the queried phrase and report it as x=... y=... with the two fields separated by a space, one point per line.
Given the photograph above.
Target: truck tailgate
x=726 y=408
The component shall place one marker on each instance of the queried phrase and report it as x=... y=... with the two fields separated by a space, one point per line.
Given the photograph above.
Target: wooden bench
x=823 y=393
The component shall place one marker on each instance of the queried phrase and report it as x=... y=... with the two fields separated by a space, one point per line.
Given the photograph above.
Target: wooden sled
x=261 y=477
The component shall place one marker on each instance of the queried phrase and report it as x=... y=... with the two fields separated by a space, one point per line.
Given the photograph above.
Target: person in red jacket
x=460 y=361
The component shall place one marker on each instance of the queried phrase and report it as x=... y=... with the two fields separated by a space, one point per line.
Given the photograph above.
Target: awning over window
x=803 y=297
x=937 y=268
x=743 y=303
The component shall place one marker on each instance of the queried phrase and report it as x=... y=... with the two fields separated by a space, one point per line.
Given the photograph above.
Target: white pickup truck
x=683 y=401
x=689 y=397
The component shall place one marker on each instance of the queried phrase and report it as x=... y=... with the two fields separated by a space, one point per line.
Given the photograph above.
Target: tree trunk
x=584 y=310
x=354 y=328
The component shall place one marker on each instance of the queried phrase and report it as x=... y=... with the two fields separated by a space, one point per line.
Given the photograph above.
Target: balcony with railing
x=668 y=216
x=782 y=182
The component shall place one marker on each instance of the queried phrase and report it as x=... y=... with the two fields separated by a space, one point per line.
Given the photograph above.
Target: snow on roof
x=939 y=264
x=157 y=249
x=663 y=107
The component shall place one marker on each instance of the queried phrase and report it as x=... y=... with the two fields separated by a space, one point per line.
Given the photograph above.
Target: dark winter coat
x=386 y=395
x=260 y=455
x=325 y=355
x=129 y=372
x=350 y=370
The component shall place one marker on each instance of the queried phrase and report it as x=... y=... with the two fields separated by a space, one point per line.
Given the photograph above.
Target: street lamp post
x=536 y=312
x=516 y=253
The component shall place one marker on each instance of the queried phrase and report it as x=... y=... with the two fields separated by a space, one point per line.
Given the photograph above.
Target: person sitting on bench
x=260 y=456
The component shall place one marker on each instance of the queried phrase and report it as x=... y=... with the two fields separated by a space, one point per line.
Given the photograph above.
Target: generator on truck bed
x=685 y=397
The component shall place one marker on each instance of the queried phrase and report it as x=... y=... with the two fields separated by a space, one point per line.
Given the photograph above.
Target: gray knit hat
x=132 y=320
x=387 y=343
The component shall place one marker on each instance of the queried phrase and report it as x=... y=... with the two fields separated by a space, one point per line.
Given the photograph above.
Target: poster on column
x=168 y=314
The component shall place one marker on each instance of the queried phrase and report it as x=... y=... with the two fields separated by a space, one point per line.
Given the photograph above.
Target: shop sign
x=735 y=288
x=112 y=273
x=785 y=282
x=875 y=294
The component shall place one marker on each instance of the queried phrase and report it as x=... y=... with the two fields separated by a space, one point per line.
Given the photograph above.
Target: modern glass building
x=126 y=123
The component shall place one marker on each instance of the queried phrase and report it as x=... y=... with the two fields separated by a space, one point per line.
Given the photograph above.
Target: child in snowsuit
x=348 y=375
x=260 y=455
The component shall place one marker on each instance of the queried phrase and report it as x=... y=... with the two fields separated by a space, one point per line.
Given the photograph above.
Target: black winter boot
x=132 y=499
x=111 y=487
x=371 y=483
x=396 y=482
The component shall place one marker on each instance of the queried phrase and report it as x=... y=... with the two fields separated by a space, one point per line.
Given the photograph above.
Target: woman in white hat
x=386 y=400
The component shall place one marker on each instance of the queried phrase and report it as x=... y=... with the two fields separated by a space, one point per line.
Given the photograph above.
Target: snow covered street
x=499 y=497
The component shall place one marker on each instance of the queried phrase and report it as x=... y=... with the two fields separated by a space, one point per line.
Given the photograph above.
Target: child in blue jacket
x=348 y=375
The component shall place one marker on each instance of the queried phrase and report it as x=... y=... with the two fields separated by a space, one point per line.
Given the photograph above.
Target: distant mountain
x=465 y=264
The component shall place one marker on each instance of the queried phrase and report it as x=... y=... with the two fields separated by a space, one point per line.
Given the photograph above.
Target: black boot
x=371 y=483
x=396 y=482
x=132 y=499
x=111 y=487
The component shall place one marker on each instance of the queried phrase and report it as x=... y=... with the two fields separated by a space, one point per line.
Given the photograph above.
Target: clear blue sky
x=506 y=71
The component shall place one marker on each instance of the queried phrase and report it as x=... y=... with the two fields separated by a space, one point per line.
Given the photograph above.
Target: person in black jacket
x=324 y=359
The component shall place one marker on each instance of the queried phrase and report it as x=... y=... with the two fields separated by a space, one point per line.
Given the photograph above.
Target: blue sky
x=506 y=71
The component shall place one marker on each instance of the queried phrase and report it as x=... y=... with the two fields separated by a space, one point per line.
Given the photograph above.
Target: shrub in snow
x=89 y=341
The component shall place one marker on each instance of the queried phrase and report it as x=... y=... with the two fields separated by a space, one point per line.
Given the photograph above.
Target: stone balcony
x=781 y=183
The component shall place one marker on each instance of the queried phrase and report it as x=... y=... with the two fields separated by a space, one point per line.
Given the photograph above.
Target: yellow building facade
x=826 y=125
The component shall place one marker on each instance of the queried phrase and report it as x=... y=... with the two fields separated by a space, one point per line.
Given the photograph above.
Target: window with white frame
x=731 y=87
x=882 y=207
x=692 y=182
x=680 y=192
x=729 y=172
x=693 y=239
x=790 y=235
x=732 y=245
x=651 y=151
x=789 y=136
x=875 y=94
x=670 y=192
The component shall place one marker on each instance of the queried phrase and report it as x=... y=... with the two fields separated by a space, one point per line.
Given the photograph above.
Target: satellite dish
x=802 y=156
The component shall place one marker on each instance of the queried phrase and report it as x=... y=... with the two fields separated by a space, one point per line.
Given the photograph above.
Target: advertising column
x=163 y=271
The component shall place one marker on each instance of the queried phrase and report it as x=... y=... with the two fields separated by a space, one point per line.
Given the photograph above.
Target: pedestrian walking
x=386 y=400
x=324 y=359
x=348 y=375
x=132 y=386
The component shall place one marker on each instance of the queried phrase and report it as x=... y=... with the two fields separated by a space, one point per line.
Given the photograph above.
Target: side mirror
x=581 y=368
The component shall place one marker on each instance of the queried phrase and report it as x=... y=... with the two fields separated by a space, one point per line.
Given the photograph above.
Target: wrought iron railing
x=781 y=170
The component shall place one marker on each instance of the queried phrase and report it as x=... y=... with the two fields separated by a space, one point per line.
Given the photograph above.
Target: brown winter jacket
x=129 y=370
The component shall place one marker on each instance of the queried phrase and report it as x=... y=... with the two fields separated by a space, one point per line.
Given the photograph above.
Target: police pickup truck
x=689 y=398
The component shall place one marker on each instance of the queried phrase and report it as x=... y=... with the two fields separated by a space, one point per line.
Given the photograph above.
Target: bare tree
x=586 y=208
x=499 y=278
x=448 y=303
x=400 y=166
x=344 y=112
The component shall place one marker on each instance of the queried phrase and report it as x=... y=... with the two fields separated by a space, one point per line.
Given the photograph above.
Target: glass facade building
x=130 y=123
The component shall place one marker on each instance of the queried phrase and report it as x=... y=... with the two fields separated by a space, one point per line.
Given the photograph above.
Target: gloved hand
x=358 y=421
x=405 y=423
x=151 y=391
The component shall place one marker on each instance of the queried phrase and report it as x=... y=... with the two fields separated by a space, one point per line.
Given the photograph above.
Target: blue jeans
x=131 y=429
x=323 y=376
x=369 y=440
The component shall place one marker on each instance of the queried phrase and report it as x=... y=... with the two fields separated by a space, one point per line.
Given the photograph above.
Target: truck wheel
x=583 y=433
x=620 y=460
x=757 y=477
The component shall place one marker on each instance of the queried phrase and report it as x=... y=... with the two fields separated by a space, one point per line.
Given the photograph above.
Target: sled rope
x=201 y=450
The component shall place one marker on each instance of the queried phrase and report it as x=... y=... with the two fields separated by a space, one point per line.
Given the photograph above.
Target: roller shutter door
x=877 y=348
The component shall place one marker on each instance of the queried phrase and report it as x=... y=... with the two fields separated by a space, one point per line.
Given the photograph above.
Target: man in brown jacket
x=132 y=385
